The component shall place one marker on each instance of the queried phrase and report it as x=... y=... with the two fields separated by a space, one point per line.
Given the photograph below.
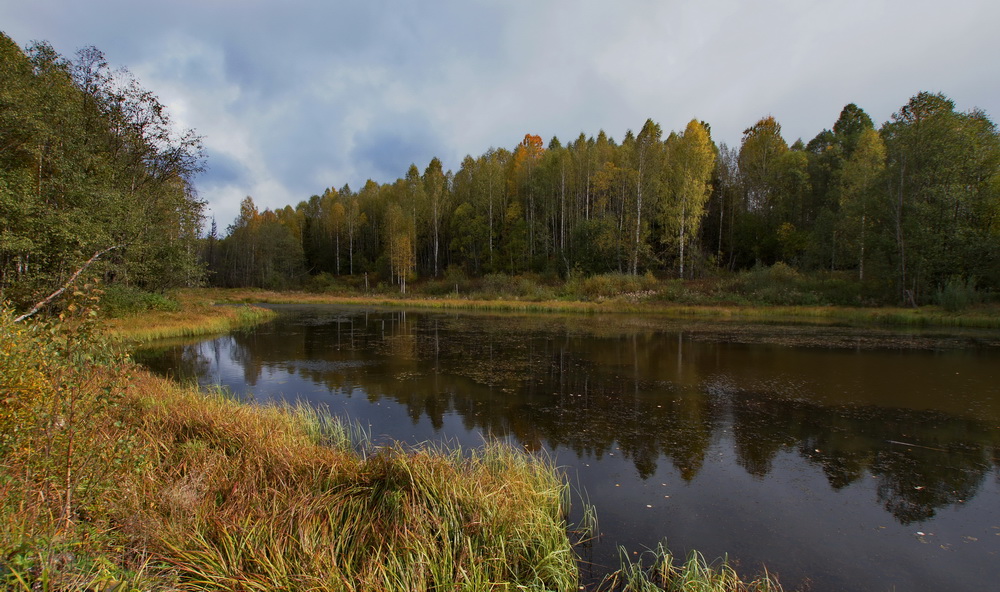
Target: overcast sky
x=299 y=95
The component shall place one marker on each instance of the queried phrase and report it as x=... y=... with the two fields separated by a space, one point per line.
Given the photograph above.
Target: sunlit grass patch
x=192 y=319
x=124 y=479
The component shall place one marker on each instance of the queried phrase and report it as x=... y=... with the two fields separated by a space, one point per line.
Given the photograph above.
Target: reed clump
x=112 y=478
x=659 y=570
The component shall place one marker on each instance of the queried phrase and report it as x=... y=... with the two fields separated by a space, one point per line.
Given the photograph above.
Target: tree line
x=903 y=208
x=91 y=170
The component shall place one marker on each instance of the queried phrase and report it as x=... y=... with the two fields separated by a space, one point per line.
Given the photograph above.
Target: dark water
x=843 y=459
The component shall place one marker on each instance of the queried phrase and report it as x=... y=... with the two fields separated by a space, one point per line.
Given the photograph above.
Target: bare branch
x=69 y=283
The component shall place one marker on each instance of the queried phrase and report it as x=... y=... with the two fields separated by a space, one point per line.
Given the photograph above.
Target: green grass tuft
x=666 y=573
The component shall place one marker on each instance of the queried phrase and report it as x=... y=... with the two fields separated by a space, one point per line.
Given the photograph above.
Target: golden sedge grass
x=197 y=491
x=983 y=316
x=193 y=319
x=315 y=518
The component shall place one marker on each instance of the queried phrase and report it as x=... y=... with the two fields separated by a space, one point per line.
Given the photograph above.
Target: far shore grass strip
x=987 y=317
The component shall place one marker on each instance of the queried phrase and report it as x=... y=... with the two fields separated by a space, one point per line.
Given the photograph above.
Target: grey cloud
x=389 y=153
x=223 y=170
x=291 y=93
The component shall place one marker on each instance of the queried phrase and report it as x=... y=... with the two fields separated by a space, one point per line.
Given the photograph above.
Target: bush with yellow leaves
x=62 y=434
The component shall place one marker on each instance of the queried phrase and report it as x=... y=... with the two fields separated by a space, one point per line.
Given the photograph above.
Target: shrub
x=121 y=300
x=611 y=285
x=64 y=446
x=688 y=292
x=779 y=284
x=454 y=282
x=957 y=294
x=495 y=286
x=324 y=282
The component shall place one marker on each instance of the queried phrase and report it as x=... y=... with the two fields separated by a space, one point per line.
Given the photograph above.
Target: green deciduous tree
x=436 y=190
x=399 y=235
x=644 y=155
x=941 y=170
x=760 y=155
x=860 y=186
x=90 y=162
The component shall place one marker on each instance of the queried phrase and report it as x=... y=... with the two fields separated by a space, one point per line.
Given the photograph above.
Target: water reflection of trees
x=922 y=460
x=640 y=394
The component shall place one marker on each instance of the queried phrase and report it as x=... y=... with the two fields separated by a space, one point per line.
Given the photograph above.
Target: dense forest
x=901 y=210
x=91 y=169
x=90 y=166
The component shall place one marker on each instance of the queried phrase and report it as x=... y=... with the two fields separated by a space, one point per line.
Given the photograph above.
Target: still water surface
x=840 y=458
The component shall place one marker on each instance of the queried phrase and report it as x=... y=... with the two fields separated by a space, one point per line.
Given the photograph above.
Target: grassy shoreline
x=114 y=479
x=983 y=316
x=195 y=318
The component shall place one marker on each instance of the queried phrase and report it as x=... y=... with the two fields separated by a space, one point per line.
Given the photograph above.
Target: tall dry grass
x=670 y=298
x=191 y=319
x=114 y=479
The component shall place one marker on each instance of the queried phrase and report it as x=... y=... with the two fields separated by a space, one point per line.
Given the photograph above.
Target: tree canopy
x=91 y=164
x=904 y=209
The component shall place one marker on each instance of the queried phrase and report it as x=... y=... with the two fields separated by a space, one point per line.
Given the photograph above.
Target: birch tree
x=691 y=158
x=859 y=181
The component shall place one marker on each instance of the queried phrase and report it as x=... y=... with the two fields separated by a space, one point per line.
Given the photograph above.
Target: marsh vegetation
x=113 y=478
x=799 y=448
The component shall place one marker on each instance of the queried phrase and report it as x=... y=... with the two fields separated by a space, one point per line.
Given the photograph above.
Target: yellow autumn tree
x=399 y=230
x=691 y=158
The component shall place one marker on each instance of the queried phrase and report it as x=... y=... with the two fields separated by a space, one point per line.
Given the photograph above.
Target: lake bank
x=764 y=442
x=113 y=478
x=196 y=317
x=983 y=316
